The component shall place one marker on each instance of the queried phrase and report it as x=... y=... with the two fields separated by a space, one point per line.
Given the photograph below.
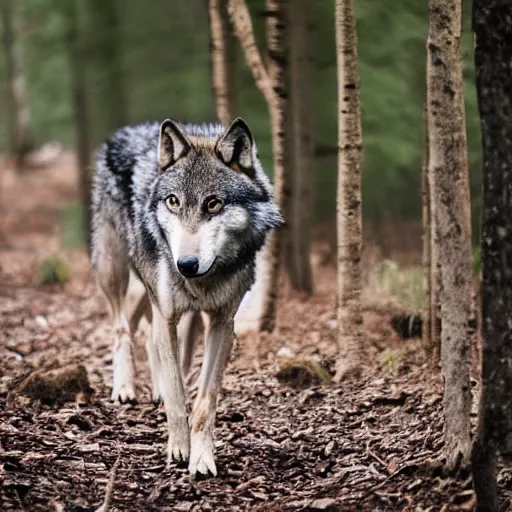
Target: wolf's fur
x=138 y=226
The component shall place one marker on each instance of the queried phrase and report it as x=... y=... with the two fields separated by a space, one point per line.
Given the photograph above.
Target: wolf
x=186 y=208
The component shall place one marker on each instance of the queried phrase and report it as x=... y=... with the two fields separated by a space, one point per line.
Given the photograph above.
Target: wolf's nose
x=188 y=266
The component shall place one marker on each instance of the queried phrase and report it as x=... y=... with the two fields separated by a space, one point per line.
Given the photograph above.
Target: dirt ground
x=364 y=445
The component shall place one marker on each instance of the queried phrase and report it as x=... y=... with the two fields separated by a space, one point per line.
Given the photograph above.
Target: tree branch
x=242 y=24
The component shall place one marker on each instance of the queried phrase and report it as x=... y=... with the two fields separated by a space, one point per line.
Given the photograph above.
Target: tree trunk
x=272 y=84
x=276 y=44
x=450 y=192
x=492 y=25
x=242 y=25
x=427 y=225
x=223 y=62
x=19 y=129
x=350 y=236
x=431 y=325
x=77 y=53
x=106 y=59
x=302 y=145
x=435 y=287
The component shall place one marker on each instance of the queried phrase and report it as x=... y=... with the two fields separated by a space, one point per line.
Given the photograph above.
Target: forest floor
x=371 y=444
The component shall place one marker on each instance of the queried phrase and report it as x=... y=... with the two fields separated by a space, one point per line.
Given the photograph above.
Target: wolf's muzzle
x=188 y=266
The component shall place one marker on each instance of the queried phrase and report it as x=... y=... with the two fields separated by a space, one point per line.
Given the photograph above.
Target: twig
x=110 y=487
x=375 y=456
x=390 y=477
x=20 y=501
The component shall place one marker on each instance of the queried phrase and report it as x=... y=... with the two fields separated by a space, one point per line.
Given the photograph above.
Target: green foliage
x=166 y=63
x=302 y=373
x=52 y=270
x=404 y=284
x=391 y=359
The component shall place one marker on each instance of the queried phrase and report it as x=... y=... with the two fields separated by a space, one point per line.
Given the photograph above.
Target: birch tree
x=349 y=222
x=448 y=173
x=492 y=26
x=431 y=324
x=223 y=62
x=427 y=234
x=271 y=81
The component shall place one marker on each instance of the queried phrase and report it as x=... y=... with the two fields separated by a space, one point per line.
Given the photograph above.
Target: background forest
x=163 y=78
x=372 y=370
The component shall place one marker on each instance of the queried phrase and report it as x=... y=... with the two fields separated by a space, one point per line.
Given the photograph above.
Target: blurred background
x=159 y=53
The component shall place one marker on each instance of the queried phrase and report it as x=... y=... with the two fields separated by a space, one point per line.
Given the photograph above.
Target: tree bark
x=492 y=26
x=302 y=145
x=436 y=327
x=77 y=54
x=223 y=62
x=450 y=192
x=431 y=329
x=350 y=236
x=276 y=44
x=19 y=129
x=427 y=229
x=272 y=84
x=106 y=43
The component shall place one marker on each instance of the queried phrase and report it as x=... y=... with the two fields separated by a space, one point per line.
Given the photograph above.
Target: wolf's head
x=213 y=200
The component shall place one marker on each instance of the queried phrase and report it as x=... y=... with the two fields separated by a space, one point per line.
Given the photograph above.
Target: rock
x=301 y=373
x=41 y=322
x=332 y=323
x=323 y=504
x=55 y=386
x=285 y=352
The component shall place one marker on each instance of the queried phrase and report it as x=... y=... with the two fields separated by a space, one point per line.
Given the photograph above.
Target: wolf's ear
x=173 y=144
x=234 y=148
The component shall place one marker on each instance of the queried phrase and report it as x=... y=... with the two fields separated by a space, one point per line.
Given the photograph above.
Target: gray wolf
x=187 y=209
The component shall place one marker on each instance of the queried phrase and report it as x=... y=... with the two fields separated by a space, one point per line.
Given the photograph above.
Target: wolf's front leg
x=170 y=384
x=217 y=350
x=123 y=389
x=155 y=366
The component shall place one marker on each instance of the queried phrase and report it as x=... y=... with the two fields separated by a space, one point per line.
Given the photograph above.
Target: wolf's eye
x=213 y=205
x=173 y=203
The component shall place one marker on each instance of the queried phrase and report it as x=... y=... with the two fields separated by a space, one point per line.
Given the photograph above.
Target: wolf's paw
x=178 y=446
x=123 y=389
x=123 y=393
x=156 y=394
x=156 y=397
x=201 y=455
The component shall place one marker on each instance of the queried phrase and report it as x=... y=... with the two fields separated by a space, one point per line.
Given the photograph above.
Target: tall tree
x=427 y=224
x=449 y=182
x=492 y=26
x=272 y=84
x=223 y=61
x=302 y=144
x=349 y=221
x=431 y=271
x=104 y=45
x=77 y=53
x=19 y=129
